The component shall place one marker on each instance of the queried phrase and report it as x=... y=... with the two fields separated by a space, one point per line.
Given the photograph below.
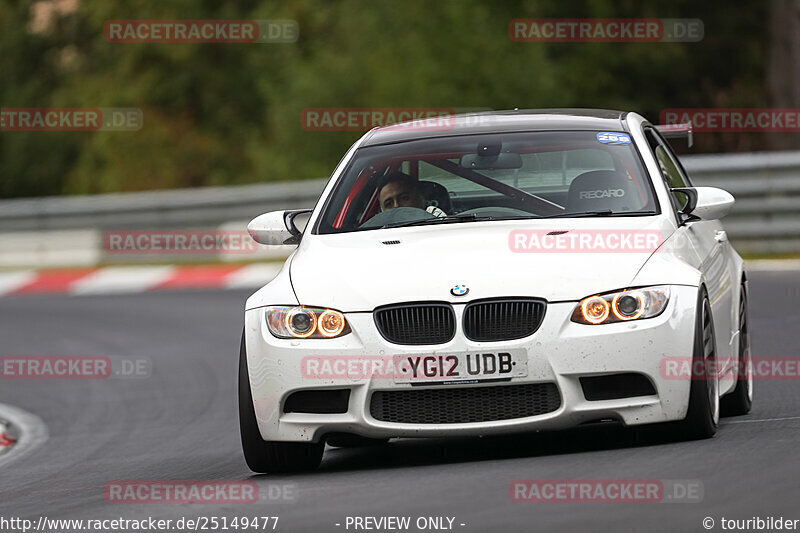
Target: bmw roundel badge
x=459 y=290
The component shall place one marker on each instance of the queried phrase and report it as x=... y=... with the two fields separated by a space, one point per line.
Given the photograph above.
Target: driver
x=401 y=190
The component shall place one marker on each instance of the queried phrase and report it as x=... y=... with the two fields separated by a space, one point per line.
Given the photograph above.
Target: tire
x=702 y=417
x=740 y=400
x=263 y=456
x=353 y=441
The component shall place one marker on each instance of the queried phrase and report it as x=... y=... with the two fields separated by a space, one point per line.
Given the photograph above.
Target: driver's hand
x=435 y=211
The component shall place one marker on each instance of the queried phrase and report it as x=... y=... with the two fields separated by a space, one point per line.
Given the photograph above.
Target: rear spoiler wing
x=677 y=131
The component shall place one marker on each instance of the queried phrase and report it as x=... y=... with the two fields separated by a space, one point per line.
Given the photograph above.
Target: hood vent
x=390 y=242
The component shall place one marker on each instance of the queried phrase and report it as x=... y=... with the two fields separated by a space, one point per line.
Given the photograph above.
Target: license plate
x=461 y=367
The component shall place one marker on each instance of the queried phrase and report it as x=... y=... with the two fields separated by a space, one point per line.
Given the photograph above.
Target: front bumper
x=559 y=352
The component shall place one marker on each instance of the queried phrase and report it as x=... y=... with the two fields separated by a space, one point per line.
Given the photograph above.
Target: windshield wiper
x=471 y=217
x=450 y=219
x=600 y=213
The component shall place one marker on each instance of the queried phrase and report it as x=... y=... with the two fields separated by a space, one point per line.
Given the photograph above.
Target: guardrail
x=766 y=216
x=174 y=209
x=69 y=230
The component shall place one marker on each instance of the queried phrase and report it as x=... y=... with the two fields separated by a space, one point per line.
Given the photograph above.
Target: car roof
x=516 y=120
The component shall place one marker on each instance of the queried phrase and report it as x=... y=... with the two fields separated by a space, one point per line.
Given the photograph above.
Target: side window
x=670 y=169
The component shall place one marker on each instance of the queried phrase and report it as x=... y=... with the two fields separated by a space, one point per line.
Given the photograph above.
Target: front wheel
x=263 y=456
x=702 y=417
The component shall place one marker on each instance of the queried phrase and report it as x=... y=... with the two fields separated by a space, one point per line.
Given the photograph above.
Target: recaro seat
x=599 y=190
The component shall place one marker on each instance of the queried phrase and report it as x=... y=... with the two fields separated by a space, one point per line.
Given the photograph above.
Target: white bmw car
x=495 y=273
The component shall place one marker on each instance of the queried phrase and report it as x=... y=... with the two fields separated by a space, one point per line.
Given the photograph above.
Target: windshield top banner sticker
x=610 y=137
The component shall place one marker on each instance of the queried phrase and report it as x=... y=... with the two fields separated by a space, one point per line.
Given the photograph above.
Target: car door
x=710 y=242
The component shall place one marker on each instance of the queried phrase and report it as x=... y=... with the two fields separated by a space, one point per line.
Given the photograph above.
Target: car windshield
x=469 y=178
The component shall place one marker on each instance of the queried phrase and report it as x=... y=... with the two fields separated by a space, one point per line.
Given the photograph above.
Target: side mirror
x=705 y=203
x=277 y=227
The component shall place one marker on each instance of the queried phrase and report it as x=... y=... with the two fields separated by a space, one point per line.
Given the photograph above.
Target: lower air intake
x=464 y=404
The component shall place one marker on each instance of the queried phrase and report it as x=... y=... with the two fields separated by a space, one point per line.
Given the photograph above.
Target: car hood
x=359 y=271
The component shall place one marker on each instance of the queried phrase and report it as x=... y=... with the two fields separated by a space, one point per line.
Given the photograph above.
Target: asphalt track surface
x=181 y=424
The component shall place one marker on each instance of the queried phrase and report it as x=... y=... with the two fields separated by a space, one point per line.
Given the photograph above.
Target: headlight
x=622 y=306
x=298 y=322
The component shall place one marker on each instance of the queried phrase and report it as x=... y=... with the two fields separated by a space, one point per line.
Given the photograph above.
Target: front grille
x=418 y=323
x=465 y=404
x=502 y=320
